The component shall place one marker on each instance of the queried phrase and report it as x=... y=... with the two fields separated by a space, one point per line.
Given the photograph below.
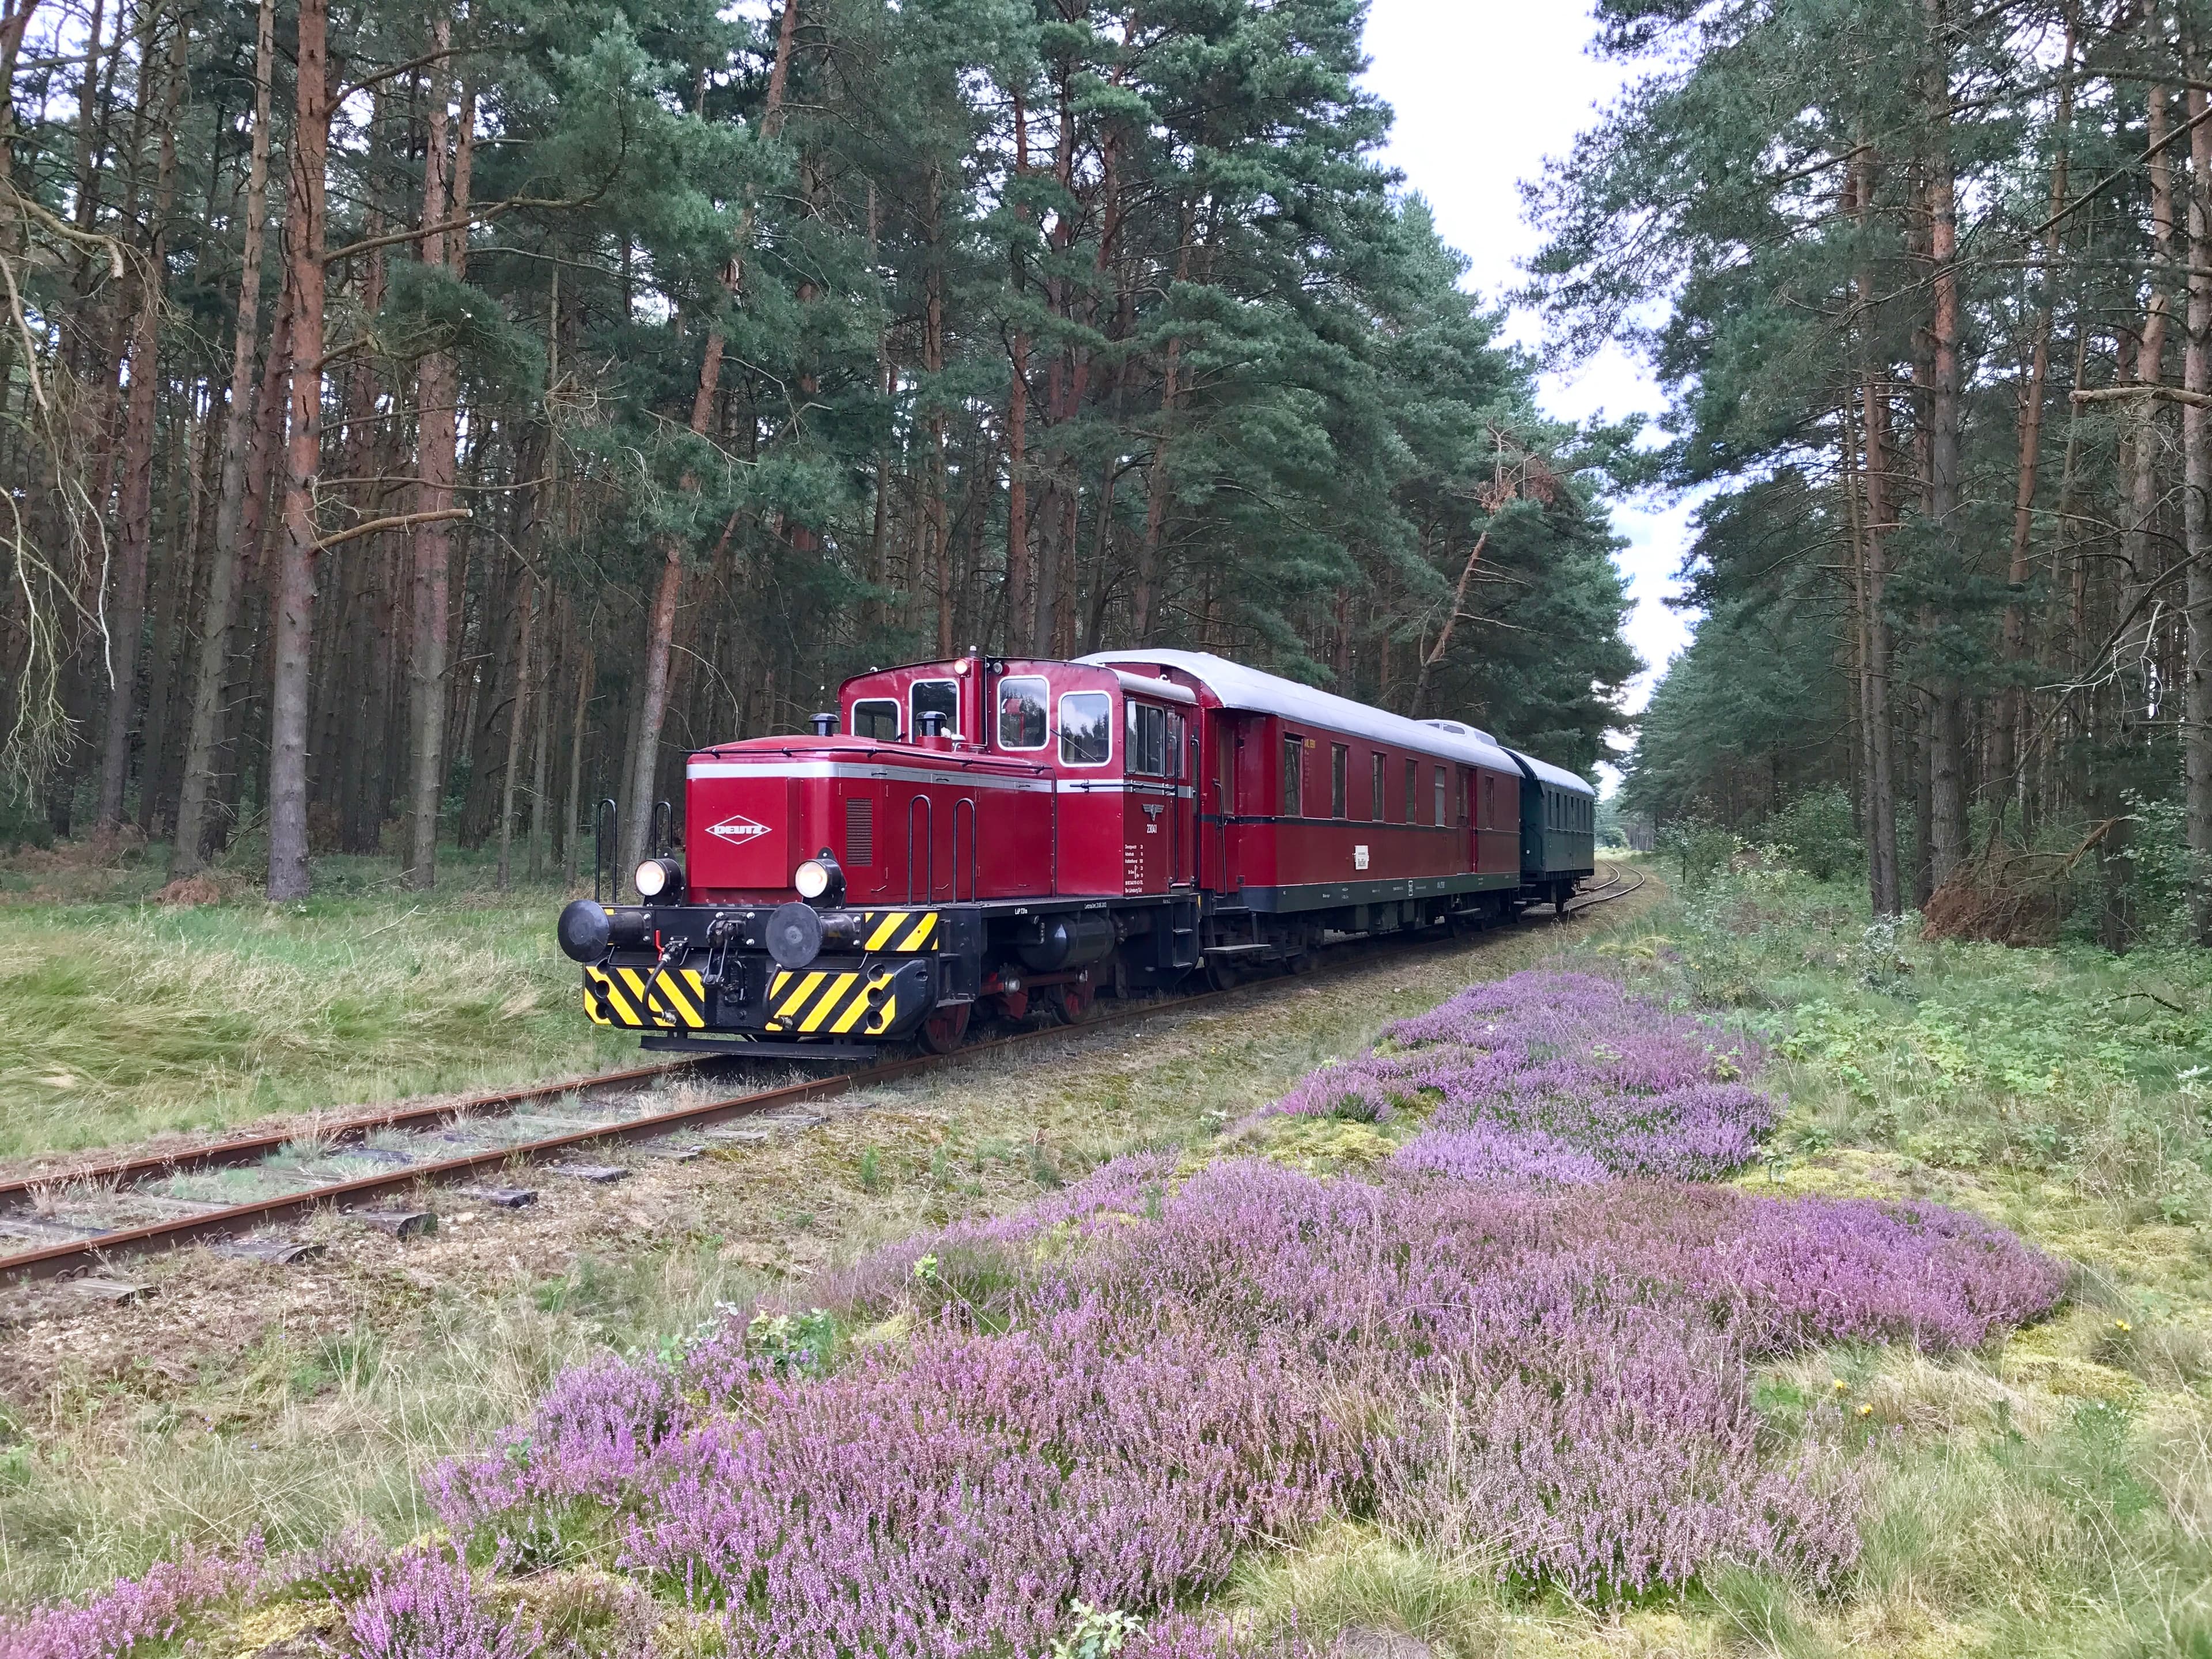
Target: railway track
x=234 y=1191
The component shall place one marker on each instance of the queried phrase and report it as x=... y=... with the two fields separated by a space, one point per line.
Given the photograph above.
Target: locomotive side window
x=1022 y=720
x=1439 y=781
x=1412 y=791
x=1175 y=746
x=1294 y=776
x=1378 y=764
x=876 y=718
x=1339 y=764
x=1149 y=749
x=1086 y=728
x=937 y=697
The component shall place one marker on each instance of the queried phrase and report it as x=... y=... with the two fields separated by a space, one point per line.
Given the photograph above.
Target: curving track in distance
x=79 y=1218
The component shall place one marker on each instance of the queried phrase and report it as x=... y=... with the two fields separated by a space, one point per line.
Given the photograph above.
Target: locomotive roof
x=1254 y=692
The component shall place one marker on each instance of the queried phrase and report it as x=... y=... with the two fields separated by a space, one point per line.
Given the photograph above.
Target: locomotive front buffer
x=786 y=979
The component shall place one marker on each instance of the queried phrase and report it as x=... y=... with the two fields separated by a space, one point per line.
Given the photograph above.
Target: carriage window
x=1412 y=791
x=1086 y=728
x=1466 y=800
x=1022 y=713
x=1294 y=776
x=1378 y=763
x=1339 y=764
x=1490 y=801
x=876 y=718
x=1439 y=781
x=1148 y=747
x=937 y=697
x=1175 y=746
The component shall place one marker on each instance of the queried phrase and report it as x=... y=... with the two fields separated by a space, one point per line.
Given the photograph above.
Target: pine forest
x=420 y=425
x=1932 y=285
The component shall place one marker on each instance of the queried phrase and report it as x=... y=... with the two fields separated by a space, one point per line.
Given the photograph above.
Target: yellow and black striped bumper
x=677 y=1000
x=899 y=932
x=870 y=1001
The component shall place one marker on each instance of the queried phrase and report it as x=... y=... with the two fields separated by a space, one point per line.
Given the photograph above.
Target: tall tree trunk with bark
x=1946 y=753
x=2007 y=768
x=135 y=514
x=219 y=614
x=2197 y=511
x=438 y=389
x=292 y=623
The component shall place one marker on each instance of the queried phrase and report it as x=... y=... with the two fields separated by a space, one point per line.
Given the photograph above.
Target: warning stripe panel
x=898 y=931
x=825 y=1003
x=634 y=999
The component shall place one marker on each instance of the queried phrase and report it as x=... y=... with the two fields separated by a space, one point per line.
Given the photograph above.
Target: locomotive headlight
x=820 y=880
x=656 y=877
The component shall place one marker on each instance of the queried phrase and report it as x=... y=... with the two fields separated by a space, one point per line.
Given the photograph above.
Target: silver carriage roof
x=1249 y=690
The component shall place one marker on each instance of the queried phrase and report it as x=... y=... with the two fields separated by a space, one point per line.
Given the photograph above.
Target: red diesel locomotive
x=1004 y=835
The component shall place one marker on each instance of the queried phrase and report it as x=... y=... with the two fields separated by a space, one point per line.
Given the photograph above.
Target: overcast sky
x=1485 y=90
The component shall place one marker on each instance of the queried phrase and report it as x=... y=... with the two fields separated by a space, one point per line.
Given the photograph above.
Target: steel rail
x=55 y=1259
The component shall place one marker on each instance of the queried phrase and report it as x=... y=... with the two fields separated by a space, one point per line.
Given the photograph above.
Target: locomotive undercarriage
x=717 y=978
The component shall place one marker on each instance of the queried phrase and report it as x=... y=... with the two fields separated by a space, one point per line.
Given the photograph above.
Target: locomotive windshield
x=1022 y=719
x=876 y=719
x=1086 y=728
x=937 y=697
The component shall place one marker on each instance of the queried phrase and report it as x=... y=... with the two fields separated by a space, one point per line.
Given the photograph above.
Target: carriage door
x=1218 y=796
x=1182 y=736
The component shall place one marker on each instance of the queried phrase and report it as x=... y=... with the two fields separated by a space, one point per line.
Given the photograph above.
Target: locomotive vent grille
x=859 y=833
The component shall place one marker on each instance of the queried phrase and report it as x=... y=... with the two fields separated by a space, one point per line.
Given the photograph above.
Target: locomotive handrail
x=928 y=845
x=662 y=834
x=601 y=814
x=975 y=876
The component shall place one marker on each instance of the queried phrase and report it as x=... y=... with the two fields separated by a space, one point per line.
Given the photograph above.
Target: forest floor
x=2050 y=1493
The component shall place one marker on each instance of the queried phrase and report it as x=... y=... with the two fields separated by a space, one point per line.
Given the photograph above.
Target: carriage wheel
x=945 y=1030
x=1014 y=1005
x=1222 y=973
x=1073 y=1002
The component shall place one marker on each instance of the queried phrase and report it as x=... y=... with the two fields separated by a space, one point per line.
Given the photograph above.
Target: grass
x=121 y=1019
x=2051 y=1496
x=243 y=1398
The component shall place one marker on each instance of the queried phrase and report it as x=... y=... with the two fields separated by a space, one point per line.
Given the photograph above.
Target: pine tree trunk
x=219 y=614
x=516 y=715
x=1947 y=735
x=135 y=517
x=572 y=832
x=437 y=385
x=2006 y=768
x=293 y=619
x=2197 y=511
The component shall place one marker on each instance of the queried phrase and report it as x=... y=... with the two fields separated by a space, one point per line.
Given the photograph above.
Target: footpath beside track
x=87 y=1218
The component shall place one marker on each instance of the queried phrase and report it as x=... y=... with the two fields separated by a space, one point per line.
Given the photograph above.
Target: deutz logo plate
x=739 y=828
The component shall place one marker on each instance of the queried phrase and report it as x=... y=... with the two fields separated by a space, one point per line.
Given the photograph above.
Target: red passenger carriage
x=993 y=834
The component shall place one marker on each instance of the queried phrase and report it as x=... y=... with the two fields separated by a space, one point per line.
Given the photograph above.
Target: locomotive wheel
x=945 y=1030
x=1014 y=1005
x=1072 y=1003
x=1222 y=973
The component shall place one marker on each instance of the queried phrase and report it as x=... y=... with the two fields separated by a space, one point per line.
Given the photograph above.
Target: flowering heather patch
x=428 y=1605
x=1557 y=1077
x=1106 y=1399
x=131 y=1611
